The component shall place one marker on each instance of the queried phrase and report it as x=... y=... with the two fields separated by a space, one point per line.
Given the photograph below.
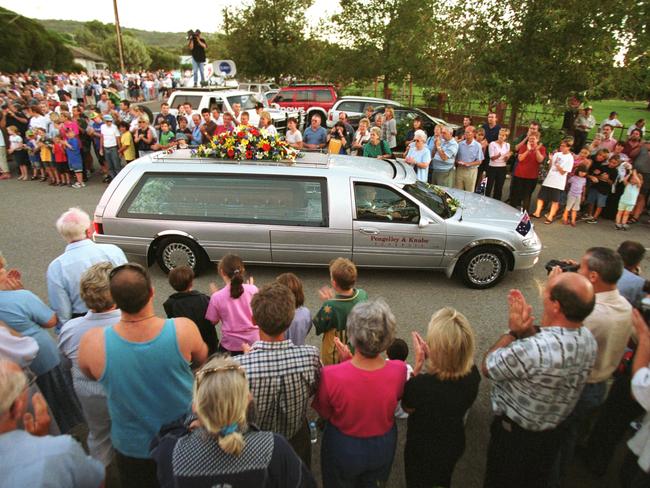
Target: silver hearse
x=180 y=210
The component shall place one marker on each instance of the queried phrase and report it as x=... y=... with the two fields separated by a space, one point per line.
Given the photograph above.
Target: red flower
x=231 y=153
x=266 y=147
x=240 y=135
x=255 y=132
x=249 y=154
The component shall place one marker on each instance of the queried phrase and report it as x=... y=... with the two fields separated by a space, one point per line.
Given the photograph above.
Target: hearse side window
x=194 y=100
x=376 y=203
x=226 y=198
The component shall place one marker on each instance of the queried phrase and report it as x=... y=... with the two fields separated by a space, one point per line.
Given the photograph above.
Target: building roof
x=80 y=52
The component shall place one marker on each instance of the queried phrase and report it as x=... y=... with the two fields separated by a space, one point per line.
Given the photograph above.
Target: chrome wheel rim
x=484 y=268
x=178 y=254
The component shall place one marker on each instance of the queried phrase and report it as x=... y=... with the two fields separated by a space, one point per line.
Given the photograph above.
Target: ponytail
x=232 y=443
x=236 y=284
x=233 y=267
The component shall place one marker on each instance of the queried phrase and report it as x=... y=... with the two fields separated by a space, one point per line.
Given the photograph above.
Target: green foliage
x=265 y=38
x=386 y=36
x=29 y=46
x=135 y=53
x=92 y=34
x=161 y=58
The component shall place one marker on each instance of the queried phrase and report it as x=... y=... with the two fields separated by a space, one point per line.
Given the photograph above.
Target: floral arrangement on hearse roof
x=247 y=143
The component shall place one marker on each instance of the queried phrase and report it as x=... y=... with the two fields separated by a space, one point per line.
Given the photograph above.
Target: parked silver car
x=180 y=210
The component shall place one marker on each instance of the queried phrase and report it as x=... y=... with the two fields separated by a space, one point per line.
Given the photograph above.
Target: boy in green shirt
x=167 y=136
x=331 y=319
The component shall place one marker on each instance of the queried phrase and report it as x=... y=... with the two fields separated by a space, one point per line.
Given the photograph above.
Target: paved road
x=29 y=241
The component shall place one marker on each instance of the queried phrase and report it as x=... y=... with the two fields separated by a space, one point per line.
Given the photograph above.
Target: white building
x=93 y=63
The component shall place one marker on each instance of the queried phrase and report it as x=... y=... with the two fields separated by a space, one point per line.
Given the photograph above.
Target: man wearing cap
x=584 y=122
x=109 y=144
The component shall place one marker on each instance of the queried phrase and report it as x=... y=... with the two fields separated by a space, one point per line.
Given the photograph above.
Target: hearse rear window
x=227 y=198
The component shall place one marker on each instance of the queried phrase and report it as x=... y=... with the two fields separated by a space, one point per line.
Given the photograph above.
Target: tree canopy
x=29 y=46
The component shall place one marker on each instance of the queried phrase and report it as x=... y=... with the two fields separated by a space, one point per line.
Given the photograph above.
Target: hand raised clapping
x=520 y=317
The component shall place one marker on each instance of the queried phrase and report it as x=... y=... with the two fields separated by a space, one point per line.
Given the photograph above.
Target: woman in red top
x=357 y=398
x=524 y=177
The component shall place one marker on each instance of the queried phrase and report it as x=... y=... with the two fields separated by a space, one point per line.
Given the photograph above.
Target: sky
x=158 y=15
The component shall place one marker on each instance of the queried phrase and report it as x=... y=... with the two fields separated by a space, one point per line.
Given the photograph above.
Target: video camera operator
x=198 y=46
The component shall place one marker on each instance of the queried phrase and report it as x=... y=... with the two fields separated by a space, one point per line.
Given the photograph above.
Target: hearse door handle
x=369 y=231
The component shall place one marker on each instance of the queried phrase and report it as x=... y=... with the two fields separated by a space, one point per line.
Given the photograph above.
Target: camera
x=192 y=34
x=564 y=266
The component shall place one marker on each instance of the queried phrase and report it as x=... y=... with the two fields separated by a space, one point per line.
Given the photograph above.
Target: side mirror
x=424 y=221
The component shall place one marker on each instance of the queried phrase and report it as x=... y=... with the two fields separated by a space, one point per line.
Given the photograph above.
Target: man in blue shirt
x=315 y=136
x=64 y=273
x=470 y=156
x=443 y=155
x=30 y=457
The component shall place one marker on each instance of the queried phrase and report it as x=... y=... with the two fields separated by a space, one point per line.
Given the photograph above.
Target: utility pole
x=118 y=32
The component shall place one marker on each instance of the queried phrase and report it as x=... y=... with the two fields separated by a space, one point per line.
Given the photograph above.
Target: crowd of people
x=169 y=401
x=55 y=131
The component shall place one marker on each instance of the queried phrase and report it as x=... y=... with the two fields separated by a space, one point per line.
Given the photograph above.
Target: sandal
x=548 y=221
x=632 y=220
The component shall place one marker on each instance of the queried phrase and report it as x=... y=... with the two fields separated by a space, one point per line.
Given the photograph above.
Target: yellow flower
x=244 y=142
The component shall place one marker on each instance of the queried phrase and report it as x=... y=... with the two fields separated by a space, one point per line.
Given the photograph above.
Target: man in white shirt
x=611 y=324
x=109 y=145
x=636 y=467
x=612 y=120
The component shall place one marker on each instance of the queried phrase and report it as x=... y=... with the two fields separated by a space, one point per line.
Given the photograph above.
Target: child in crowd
x=73 y=155
x=633 y=182
x=127 y=147
x=331 y=319
x=17 y=149
x=167 y=136
x=576 y=192
x=301 y=323
x=45 y=147
x=399 y=351
x=582 y=158
x=190 y=303
x=232 y=307
x=61 y=161
x=559 y=167
x=34 y=156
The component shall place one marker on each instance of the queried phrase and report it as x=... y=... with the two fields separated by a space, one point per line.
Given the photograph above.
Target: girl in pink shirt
x=232 y=307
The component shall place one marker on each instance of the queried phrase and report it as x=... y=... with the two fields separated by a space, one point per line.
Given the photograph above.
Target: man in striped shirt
x=538 y=374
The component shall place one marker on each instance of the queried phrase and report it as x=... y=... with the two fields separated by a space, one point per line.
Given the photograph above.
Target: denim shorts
x=597 y=198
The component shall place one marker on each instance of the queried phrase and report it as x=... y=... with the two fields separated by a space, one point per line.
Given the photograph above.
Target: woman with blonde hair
x=438 y=398
x=389 y=128
x=266 y=123
x=217 y=446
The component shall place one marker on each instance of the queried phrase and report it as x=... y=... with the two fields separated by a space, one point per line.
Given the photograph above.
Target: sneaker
x=625 y=227
x=586 y=217
x=106 y=179
x=592 y=221
x=619 y=227
x=78 y=185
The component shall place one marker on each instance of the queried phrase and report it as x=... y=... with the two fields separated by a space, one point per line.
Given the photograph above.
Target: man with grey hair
x=30 y=456
x=64 y=273
x=443 y=154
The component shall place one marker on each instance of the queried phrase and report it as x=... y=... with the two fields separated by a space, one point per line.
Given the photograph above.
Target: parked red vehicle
x=307 y=100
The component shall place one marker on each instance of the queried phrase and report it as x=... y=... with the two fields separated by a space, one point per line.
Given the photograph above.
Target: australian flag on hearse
x=524 y=225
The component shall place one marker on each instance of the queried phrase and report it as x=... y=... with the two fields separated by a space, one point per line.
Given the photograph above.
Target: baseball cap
x=108 y=117
x=589 y=107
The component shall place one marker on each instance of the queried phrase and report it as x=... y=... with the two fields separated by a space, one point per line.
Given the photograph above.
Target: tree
x=386 y=35
x=162 y=59
x=265 y=39
x=524 y=51
x=135 y=53
x=30 y=46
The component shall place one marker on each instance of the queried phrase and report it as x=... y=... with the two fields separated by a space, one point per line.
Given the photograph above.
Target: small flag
x=480 y=189
x=524 y=225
